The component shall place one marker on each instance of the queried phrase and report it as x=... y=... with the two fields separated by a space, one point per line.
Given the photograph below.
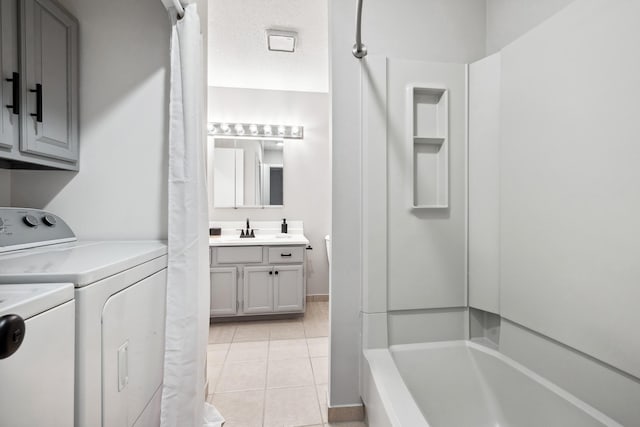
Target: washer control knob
x=30 y=220
x=49 y=220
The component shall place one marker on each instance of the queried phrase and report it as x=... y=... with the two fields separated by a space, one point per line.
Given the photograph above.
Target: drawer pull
x=286 y=255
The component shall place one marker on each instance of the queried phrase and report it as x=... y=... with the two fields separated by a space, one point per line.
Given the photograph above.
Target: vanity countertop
x=279 y=239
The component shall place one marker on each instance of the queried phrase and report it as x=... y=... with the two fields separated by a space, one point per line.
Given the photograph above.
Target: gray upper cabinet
x=50 y=63
x=10 y=85
x=48 y=86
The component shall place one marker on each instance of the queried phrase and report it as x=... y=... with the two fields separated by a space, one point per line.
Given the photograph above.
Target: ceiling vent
x=281 y=41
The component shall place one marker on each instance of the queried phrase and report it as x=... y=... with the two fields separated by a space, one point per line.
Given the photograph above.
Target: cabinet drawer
x=286 y=254
x=237 y=255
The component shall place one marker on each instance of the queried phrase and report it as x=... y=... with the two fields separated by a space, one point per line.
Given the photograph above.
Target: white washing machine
x=36 y=355
x=120 y=293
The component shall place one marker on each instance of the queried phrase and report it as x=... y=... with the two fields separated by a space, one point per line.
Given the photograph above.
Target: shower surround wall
x=456 y=33
x=495 y=222
x=564 y=277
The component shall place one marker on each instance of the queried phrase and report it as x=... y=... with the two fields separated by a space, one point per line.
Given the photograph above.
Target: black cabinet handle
x=276 y=272
x=15 y=80
x=38 y=92
x=270 y=273
x=285 y=255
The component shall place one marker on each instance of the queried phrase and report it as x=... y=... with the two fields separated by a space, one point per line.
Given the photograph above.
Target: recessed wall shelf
x=428 y=135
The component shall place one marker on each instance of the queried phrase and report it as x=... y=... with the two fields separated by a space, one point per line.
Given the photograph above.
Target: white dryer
x=36 y=355
x=120 y=297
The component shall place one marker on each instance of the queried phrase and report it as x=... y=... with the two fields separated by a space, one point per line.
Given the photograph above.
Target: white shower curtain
x=188 y=275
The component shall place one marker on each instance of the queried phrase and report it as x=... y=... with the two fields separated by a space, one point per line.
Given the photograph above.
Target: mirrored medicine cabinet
x=245 y=172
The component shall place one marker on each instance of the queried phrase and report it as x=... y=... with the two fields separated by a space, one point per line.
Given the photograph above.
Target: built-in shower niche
x=428 y=127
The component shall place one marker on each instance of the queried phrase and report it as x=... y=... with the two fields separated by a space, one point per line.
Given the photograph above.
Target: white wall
x=568 y=180
x=5 y=187
x=509 y=19
x=434 y=30
x=307 y=164
x=121 y=188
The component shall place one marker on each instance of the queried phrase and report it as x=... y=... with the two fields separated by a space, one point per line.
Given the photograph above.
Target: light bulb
x=295 y=131
x=281 y=130
x=225 y=128
x=239 y=129
x=253 y=129
x=210 y=127
x=267 y=130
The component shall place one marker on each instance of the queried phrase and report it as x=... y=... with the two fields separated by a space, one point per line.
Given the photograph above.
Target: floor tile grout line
x=315 y=388
x=264 y=394
x=224 y=362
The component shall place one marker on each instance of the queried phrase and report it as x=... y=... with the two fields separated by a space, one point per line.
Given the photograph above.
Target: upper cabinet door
x=10 y=80
x=50 y=66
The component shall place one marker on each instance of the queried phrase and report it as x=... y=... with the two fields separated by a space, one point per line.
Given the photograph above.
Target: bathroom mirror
x=246 y=173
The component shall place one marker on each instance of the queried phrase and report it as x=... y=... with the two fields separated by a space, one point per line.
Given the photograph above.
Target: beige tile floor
x=272 y=373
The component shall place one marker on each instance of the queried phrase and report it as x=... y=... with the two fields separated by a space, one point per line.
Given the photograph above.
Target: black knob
x=276 y=272
x=49 y=220
x=12 y=330
x=270 y=273
x=30 y=220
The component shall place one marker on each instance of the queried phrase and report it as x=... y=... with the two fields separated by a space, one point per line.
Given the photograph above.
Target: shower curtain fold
x=188 y=276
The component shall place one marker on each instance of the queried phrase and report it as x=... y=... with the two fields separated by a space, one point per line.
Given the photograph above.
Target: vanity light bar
x=254 y=130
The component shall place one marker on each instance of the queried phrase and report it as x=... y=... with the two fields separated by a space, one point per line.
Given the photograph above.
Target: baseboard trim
x=340 y=414
x=317 y=298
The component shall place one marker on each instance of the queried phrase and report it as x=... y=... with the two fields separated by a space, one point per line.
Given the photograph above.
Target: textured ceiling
x=238 y=55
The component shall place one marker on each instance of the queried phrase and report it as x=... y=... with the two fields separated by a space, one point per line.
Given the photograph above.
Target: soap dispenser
x=284 y=227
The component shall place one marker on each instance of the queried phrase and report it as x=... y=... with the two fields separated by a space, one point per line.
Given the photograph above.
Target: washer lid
x=28 y=300
x=80 y=263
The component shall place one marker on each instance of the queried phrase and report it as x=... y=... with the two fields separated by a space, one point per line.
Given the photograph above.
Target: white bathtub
x=463 y=384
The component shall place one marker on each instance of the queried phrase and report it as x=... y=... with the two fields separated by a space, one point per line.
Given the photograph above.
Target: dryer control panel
x=22 y=228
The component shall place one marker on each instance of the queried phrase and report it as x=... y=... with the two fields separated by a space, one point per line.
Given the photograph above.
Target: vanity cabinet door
x=49 y=49
x=224 y=291
x=9 y=90
x=258 y=290
x=289 y=288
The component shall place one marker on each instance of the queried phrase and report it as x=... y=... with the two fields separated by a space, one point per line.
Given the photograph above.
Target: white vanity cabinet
x=257 y=280
x=224 y=301
x=258 y=290
x=39 y=93
x=288 y=294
